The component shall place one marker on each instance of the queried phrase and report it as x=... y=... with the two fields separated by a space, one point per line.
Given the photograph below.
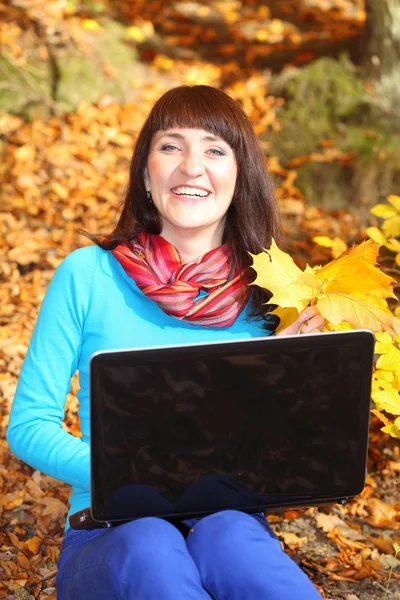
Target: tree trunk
x=382 y=60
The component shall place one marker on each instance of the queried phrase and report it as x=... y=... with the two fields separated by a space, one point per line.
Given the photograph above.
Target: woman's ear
x=146 y=180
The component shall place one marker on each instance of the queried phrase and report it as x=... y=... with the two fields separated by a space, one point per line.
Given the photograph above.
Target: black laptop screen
x=250 y=425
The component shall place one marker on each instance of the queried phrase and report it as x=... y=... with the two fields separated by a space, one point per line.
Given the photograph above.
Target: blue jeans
x=228 y=555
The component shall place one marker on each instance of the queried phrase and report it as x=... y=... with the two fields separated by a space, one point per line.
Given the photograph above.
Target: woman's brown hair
x=252 y=219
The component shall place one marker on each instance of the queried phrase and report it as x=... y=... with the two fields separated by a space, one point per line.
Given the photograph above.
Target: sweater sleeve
x=34 y=432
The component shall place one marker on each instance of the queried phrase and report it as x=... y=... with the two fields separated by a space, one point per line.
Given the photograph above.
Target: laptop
x=255 y=425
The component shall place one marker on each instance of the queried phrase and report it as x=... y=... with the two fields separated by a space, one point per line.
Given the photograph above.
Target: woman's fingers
x=313 y=325
x=310 y=320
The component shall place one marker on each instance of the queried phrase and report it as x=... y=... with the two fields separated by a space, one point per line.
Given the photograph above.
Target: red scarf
x=159 y=272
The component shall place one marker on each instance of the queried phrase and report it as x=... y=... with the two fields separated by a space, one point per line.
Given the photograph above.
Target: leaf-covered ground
x=69 y=172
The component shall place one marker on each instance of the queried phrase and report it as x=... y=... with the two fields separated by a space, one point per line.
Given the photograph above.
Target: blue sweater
x=90 y=305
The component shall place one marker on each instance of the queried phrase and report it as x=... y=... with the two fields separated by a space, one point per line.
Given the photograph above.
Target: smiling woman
x=176 y=269
x=251 y=219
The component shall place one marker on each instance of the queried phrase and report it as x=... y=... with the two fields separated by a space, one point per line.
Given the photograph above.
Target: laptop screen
x=253 y=425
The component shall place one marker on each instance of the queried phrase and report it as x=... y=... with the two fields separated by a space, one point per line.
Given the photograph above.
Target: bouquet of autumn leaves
x=350 y=292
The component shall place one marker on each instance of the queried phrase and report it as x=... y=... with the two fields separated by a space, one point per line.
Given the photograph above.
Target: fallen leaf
x=333 y=564
x=15 y=541
x=329 y=523
x=12 y=499
x=54 y=508
x=384 y=544
x=291 y=539
x=22 y=561
x=33 y=544
x=383 y=515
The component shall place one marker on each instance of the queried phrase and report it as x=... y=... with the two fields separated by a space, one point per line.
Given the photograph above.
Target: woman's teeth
x=189 y=191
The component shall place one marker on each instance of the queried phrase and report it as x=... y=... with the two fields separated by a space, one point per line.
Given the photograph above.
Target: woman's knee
x=228 y=543
x=228 y=529
x=147 y=541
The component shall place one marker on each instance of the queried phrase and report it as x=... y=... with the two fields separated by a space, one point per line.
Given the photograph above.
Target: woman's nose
x=192 y=164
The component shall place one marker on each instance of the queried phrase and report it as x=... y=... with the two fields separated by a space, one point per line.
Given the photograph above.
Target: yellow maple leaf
x=391 y=227
x=394 y=201
x=387 y=400
x=376 y=235
x=383 y=338
x=382 y=379
x=335 y=288
x=353 y=272
x=389 y=359
x=277 y=272
x=336 y=307
x=394 y=245
x=342 y=326
x=336 y=245
x=385 y=211
x=392 y=430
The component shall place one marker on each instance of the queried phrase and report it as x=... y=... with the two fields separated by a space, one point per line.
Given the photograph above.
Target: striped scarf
x=159 y=272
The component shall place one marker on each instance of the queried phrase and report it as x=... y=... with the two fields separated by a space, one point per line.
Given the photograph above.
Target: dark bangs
x=199 y=107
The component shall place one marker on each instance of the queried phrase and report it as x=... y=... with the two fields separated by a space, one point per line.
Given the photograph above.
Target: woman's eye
x=216 y=152
x=169 y=147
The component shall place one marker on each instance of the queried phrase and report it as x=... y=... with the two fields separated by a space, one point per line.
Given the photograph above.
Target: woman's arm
x=34 y=433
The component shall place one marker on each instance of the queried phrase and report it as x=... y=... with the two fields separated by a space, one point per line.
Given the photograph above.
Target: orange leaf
x=54 y=507
x=384 y=516
x=33 y=544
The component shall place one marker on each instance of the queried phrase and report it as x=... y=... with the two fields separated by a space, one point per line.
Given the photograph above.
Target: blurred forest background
x=320 y=81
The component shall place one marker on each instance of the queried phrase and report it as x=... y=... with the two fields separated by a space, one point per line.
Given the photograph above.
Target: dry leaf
x=382 y=515
x=54 y=508
x=33 y=544
x=329 y=523
x=22 y=561
x=291 y=539
x=12 y=499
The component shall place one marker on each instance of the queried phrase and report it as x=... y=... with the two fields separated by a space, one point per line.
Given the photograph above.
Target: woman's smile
x=191 y=193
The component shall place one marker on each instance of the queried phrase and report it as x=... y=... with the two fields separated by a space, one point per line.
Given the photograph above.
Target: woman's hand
x=309 y=320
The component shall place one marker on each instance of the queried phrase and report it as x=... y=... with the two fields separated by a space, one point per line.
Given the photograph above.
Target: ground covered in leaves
x=61 y=174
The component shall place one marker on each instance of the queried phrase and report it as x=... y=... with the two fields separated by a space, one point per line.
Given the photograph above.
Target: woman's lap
x=231 y=554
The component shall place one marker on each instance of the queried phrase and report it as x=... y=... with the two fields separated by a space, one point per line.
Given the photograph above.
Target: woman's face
x=191 y=175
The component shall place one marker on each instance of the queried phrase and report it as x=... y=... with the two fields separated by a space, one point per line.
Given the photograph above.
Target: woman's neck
x=191 y=245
